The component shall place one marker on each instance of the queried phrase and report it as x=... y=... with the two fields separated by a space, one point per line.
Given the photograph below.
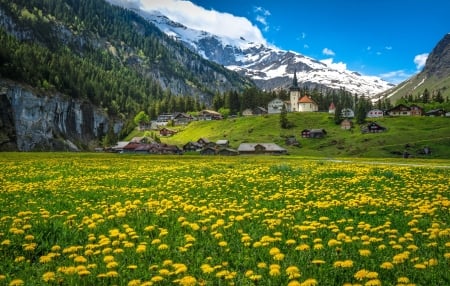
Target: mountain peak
x=438 y=61
x=268 y=66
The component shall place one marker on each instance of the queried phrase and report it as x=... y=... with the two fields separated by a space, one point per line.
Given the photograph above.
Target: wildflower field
x=109 y=219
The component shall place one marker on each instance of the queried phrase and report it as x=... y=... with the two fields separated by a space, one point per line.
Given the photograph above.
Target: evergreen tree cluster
x=92 y=50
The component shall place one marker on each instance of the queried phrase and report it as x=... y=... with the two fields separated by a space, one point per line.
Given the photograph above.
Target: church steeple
x=294 y=82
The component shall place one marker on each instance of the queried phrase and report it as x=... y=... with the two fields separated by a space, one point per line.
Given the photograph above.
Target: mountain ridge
x=269 y=67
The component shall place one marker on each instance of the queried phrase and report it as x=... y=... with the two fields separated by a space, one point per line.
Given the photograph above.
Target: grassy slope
x=415 y=131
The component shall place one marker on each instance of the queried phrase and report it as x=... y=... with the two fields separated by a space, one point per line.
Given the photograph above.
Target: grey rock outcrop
x=30 y=122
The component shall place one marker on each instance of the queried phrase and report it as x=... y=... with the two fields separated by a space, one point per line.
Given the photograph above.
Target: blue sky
x=386 y=38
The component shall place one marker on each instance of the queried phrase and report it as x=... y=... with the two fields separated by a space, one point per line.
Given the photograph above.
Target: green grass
x=418 y=132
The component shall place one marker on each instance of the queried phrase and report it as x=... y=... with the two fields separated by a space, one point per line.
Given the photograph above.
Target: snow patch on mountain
x=269 y=66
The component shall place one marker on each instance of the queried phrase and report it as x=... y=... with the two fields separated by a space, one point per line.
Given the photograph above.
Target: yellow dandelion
x=45 y=259
x=163 y=246
x=387 y=265
x=261 y=265
x=309 y=282
x=373 y=282
x=249 y=273
x=157 y=278
x=80 y=259
x=6 y=242
x=112 y=264
x=361 y=274
x=318 y=261
x=364 y=252
x=372 y=275
x=19 y=259
x=132 y=267
x=84 y=272
x=206 y=268
x=134 y=282
x=49 y=276
x=278 y=256
x=16 y=282
x=420 y=266
x=108 y=258
x=318 y=246
x=112 y=274
x=274 y=250
x=180 y=268
x=403 y=279
x=294 y=283
x=293 y=272
x=274 y=270
x=290 y=242
x=187 y=281
x=302 y=247
x=223 y=243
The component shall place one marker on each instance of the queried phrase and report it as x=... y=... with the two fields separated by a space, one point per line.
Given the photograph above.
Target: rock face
x=29 y=122
x=438 y=62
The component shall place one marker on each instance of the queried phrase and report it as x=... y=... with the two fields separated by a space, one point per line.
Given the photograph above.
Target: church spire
x=294 y=81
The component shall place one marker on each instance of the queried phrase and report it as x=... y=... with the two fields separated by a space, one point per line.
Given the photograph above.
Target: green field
x=116 y=219
x=416 y=132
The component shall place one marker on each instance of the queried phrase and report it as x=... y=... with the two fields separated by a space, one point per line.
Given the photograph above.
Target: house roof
x=272 y=147
x=222 y=142
x=306 y=99
x=332 y=107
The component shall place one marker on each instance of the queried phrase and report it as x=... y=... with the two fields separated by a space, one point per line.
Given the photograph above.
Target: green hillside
x=417 y=132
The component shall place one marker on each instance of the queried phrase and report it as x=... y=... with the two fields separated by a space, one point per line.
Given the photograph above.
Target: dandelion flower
x=361 y=274
x=49 y=276
x=387 y=265
x=188 y=281
x=16 y=282
x=293 y=272
x=309 y=282
x=134 y=282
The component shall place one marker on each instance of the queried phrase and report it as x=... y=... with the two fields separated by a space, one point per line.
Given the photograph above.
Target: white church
x=297 y=103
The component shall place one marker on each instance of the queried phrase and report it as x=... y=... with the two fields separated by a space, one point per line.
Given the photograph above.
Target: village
x=165 y=126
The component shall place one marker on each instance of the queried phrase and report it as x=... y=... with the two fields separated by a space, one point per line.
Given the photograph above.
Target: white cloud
x=388 y=48
x=420 y=60
x=199 y=18
x=328 y=52
x=337 y=66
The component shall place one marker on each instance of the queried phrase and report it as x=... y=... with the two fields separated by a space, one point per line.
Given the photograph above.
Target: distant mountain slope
x=435 y=76
x=269 y=67
x=111 y=38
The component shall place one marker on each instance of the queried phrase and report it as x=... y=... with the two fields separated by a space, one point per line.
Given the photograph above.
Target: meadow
x=110 y=219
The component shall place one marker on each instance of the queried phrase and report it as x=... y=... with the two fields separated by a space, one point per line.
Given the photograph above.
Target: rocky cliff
x=33 y=122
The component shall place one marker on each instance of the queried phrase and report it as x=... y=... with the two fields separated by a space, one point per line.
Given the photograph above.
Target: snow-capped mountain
x=269 y=67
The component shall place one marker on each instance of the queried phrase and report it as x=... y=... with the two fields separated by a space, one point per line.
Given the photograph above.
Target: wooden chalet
x=261 y=148
x=192 y=146
x=208 y=151
x=227 y=152
x=435 y=112
x=373 y=127
x=403 y=110
x=209 y=115
x=204 y=142
x=346 y=124
x=313 y=133
x=222 y=143
x=181 y=118
x=375 y=113
x=331 y=108
x=166 y=132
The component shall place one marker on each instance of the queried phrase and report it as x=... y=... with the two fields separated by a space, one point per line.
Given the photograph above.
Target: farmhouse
x=166 y=132
x=347 y=113
x=374 y=113
x=372 y=127
x=261 y=148
x=332 y=108
x=435 y=112
x=209 y=115
x=346 y=124
x=275 y=106
x=313 y=133
x=403 y=110
x=192 y=146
